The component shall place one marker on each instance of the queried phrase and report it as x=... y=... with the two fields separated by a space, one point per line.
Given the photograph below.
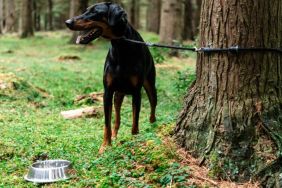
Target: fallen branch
x=78 y=113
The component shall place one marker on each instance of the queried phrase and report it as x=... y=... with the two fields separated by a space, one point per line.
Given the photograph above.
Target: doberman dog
x=128 y=66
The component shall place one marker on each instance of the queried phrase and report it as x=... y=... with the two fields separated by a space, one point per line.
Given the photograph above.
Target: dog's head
x=108 y=20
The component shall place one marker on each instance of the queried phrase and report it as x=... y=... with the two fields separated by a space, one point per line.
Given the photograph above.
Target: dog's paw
x=152 y=119
x=114 y=135
x=102 y=149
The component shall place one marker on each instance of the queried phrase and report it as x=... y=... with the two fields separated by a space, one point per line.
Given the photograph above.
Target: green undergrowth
x=41 y=76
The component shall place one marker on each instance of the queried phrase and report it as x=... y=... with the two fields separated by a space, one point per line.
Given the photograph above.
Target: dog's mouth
x=89 y=35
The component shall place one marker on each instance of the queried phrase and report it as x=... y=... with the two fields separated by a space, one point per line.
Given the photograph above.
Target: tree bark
x=10 y=16
x=77 y=7
x=154 y=16
x=36 y=16
x=171 y=26
x=232 y=115
x=188 y=29
x=171 y=23
x=26 y=19
x=196 y=16
x=50 y=15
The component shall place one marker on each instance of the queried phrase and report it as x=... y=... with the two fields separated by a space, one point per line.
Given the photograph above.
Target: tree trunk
x=10 y=16
x=171 y=23
x=50 y=15
x=1 y=16
x=188 y=29
x=171 y=26
x=36 y=14
x=196 y=16
x=26 y=19
x=232 y=115
x=133 y=13
x=154 y=16
x=77 y=7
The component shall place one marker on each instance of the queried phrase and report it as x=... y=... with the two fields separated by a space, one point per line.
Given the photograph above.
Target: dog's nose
x=69 y=23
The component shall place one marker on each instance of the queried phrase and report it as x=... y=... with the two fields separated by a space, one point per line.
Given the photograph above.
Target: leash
x=232 y=49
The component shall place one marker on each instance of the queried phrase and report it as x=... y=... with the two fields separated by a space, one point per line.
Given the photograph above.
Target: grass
x=43 y=86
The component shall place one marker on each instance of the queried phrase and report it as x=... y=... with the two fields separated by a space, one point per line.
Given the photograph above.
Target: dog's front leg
x=136 y=105
x=108 y=98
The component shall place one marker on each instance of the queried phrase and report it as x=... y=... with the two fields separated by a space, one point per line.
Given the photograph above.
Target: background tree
x=61 y=12
x=171 y=22
x=232 y=115
x=26 y=19
x=154 y=15
x=37 y=15
x=77 y=7
x=133 y=12
x=197 y=4
x=10 y=16
x=49 y=15
x=188 y=28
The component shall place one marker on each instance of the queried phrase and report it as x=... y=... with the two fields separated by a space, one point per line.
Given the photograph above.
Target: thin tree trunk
x=37 y=15
x=26 y=19
x=171 y=23
x=133 y=12
x=50 y=15
x=188 y=29
x=196 y=16
x=232 y=115
x=10 y=16
x=154 y=16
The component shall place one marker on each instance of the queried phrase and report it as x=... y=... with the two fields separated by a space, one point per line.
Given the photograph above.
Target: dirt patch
x=13 y=87
x=69 y=58
x=8 y=52
x=89 y=98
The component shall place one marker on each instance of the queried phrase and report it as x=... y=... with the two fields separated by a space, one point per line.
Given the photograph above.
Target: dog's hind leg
x=152 y=95
x=118 y=99
x=136 y=105
x=108 y=98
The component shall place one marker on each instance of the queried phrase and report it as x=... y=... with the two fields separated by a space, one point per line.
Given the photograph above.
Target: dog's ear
x=117 y=16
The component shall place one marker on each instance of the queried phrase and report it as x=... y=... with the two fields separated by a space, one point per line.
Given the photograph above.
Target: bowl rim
x=36 y=180
x=68 y=163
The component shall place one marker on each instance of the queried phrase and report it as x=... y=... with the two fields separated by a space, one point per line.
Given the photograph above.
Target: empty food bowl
x=49 y=171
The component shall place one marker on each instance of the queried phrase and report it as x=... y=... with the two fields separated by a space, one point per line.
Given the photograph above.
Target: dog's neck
x=125 y=46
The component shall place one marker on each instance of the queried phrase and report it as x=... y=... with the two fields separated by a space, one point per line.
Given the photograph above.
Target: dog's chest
x=124 y=78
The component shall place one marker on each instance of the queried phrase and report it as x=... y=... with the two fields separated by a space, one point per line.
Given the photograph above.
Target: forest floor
x=42 y=76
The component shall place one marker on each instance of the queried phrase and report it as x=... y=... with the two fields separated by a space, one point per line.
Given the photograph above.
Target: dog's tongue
x=78 y=39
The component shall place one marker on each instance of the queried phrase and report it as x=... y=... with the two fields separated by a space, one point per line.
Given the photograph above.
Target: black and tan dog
x=128 y=66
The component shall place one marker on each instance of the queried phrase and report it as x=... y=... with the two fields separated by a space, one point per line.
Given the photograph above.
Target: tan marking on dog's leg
x=151 y=92
x=109 y=80
x=134 y=80
x=118 y=99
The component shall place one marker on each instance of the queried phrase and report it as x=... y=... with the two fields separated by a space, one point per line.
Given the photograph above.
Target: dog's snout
x=69 y=23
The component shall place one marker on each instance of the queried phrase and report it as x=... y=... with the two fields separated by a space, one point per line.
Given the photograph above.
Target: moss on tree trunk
x=232 y=115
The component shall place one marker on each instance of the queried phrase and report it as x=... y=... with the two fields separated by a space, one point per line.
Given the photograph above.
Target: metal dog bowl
x=49 y=171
